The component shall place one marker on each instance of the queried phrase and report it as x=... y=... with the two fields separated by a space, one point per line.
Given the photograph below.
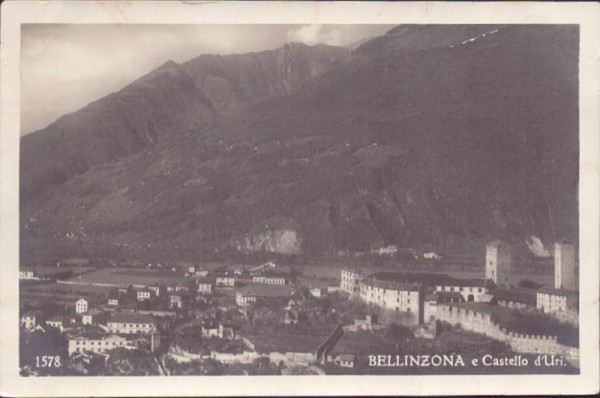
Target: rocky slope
x=234 y=82
x=428 y=135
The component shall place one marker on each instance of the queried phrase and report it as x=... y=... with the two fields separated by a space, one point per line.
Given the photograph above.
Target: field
x=126 y=277
x=58 y=292
x=43 y=271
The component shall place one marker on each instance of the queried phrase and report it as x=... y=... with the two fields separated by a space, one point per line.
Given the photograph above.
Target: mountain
x=144 y=114
x=171 y=100
x=428 y=135
x=234 y=82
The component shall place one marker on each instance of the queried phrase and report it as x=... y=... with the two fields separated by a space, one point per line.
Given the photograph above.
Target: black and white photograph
x=299 y=199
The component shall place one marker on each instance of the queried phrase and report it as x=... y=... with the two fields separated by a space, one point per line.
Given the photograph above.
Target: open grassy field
x=126 y=277
x=59 y=293
x=43 y=271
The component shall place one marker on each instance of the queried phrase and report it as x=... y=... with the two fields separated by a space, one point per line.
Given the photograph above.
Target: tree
x=399 y=332
x=529 y=284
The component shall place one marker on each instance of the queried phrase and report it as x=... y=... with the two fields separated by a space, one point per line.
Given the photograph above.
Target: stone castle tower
x=564 y=266
x=497 y=263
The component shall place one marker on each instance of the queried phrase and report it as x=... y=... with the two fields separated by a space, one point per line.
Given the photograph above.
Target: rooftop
x=390 y=285
x=555 y=292
x=431 y=278
x=524 y=296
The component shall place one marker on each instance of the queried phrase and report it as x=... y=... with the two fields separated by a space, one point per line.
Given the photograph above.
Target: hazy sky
x=65 y=67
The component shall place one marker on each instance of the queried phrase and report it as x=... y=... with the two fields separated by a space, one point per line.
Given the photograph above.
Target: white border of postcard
x=587 y=16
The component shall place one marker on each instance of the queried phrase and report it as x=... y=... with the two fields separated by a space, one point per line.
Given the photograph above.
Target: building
x=144 y=294
x=131 y=324
x=87 y=363
x=222 y=331
x=81 y=306
x=181 y=288
x=176 y=301
x=56 y=322
x=269 y=279
x=393 y=295
x=514 y=298
x=244 y=299
x=27 y=275
x=87 y=319
x=498 y=263
x=113 y=301
x=346 y=360
x=471 y=289
x=156 y=290
x=333 y=289
x=350 y=282
x=363 y=324
x=564 y=266
x=225 y=281
x=315 y=291
x=29 y=320
x=97 y=343
x=204 y=287
x=556 y=300
x=210 y=330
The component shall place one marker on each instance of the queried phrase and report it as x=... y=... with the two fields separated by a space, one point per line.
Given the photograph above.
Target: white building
x=113 y=301
x=221 y=331
x=81 y=306
x=315 y=291
x=564 y=266
x=97 y=344
x=333 y=289
x=29 y=320
x=143 y=295
x=269 y=279
x=350 y=282
x=176 y=301
x=498 y=263
x=397 y=296
x=204 y=287
x=244 y=299
x=56 y=322
x=27 y=275
x=470 y=289
x=556 y=300
x=155 y=290
x=131 y=324
x=226 y=281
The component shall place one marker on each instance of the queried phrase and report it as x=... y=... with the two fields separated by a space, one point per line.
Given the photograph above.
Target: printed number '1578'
x=47 y=361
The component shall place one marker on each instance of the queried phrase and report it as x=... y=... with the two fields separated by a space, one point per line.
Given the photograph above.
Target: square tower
x=497 y=263
x=564 y=266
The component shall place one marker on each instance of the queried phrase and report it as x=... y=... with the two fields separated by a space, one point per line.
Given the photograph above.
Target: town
x=276 y=319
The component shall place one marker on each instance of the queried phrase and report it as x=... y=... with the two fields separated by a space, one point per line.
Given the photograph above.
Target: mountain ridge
x=398 y=143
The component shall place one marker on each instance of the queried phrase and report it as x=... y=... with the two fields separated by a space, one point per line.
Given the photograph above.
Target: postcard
x=299 y=198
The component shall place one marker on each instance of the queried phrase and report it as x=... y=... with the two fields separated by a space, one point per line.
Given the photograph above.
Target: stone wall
x=482 y=323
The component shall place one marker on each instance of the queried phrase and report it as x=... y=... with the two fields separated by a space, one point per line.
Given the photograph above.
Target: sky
x=66 y=66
